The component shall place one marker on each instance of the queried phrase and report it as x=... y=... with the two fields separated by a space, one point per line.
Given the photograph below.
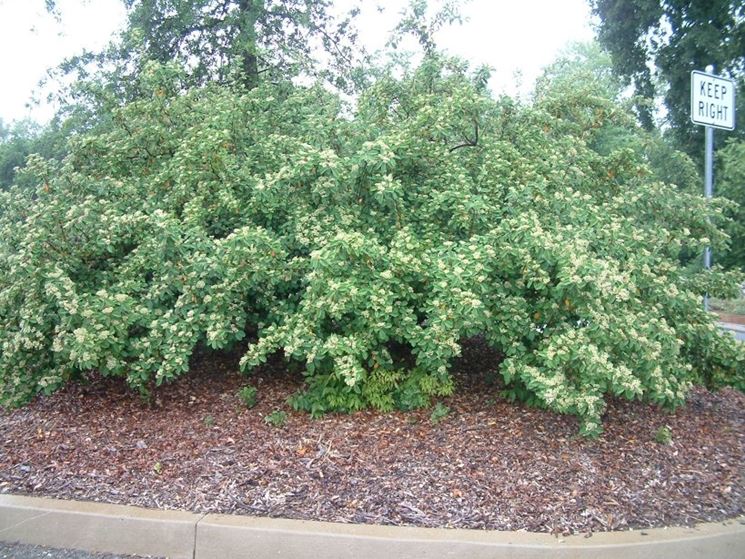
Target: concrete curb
x=97 y=527
x=732 y=326
x=736 y=330
x=182 y=535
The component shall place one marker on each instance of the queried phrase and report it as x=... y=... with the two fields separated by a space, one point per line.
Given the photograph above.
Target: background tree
x=17 y=141
x=655 y=45
x=239 y=41
x=731 y=185
x=12 y=154
x=26 y=137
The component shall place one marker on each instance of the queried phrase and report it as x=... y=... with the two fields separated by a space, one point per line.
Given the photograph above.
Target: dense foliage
x=218 y=41
x=25 y=137
x=364 y=248
x=17 y=142
x=731 y=186
x=586 y=70
x=213 y=41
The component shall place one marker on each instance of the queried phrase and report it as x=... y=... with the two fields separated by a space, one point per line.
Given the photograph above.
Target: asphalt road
x=20 y=551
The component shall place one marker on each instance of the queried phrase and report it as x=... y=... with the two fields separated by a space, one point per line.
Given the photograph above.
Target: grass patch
x=730 y=306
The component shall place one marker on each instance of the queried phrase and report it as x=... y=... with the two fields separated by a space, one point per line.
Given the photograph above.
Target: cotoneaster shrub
x=364 y=248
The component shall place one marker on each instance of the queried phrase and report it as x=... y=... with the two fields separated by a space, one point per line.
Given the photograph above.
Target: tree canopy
x=655 y=45
x=226 y=40
x=731 y=185
x=15 y=146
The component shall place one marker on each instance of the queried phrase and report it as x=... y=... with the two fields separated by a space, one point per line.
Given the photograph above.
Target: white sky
x=516 y=38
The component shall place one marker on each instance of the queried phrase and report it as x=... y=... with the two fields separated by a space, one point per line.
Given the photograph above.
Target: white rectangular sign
x=712 y=100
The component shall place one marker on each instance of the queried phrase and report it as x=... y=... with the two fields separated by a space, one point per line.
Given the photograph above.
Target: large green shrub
x=364 y=247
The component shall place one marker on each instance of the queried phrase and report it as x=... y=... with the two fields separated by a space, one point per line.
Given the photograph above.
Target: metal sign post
x=713 y=106
x=708 y=193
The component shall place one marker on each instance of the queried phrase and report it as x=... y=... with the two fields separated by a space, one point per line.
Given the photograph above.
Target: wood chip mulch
x=732 y=318
x=488 y=465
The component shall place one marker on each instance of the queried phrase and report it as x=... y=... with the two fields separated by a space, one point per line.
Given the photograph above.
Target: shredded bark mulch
x=488 y=464
x=732 y=318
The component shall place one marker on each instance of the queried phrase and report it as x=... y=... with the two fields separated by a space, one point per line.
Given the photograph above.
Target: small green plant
x=663 y=435
x=277 y=418
x=157 y=468
x=439 y=412
x=247 y=395
x=208 y=421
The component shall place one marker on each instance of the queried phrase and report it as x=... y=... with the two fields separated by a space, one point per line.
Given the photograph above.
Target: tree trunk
x=248 y=17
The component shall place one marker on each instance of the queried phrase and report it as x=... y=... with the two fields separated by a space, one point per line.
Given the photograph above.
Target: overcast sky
x=516 y=38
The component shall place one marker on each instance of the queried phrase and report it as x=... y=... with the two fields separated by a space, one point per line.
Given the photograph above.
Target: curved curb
x=181 y=535
x=737 y=330
x=97 y=527
x=732 y=326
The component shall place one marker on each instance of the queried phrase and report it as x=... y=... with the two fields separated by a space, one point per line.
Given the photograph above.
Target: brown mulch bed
x=488 y=465
x=732 y=318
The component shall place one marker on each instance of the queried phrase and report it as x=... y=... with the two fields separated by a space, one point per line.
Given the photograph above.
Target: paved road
x=20 y=551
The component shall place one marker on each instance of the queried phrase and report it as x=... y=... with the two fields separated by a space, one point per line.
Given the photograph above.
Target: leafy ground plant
x=439 y=412
x=277 y=418
x=247 y=396
x=663 y=435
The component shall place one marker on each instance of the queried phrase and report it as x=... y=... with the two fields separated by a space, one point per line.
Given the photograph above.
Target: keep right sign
x=712 y=100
